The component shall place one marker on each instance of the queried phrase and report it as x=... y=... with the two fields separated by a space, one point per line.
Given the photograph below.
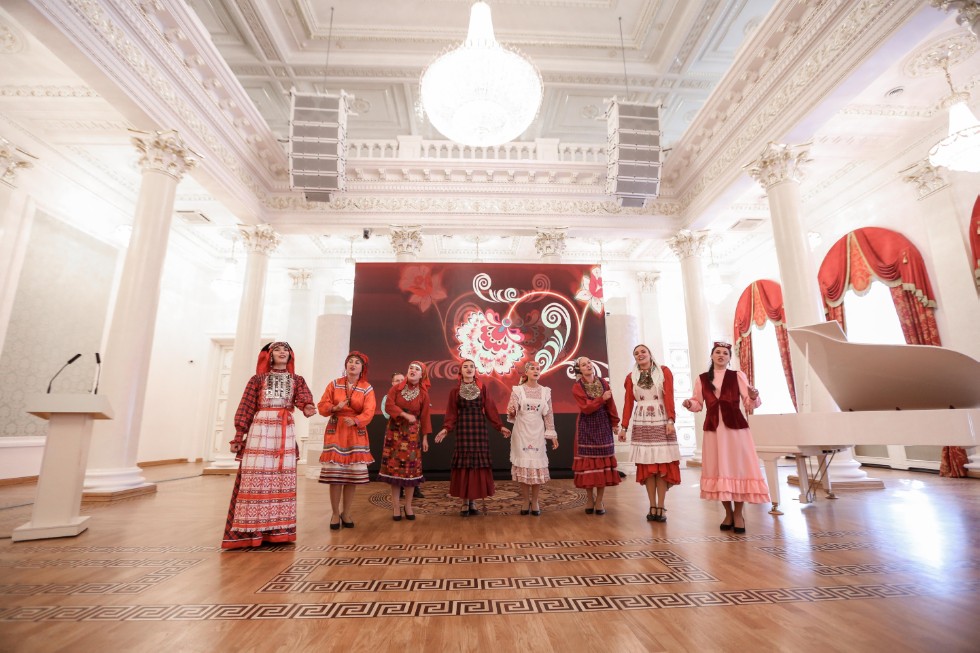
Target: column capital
x=164 y=151
x=300 y=278
x=688 y=243
x=12 y=159
x=261 y=238
x=648 y=280
x=926 y=178
x=406 y=240
x=550 y=242
x=779 y=162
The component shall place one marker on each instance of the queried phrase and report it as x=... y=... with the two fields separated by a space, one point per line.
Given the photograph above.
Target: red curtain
x=762 y=300
x=864 y=255
x=975 y=240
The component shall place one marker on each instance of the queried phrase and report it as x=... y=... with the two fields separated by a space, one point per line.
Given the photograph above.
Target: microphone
x=70 y=361
x=98 y=373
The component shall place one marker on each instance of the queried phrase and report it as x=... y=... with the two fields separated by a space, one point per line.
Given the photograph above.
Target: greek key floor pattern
x=552 y=605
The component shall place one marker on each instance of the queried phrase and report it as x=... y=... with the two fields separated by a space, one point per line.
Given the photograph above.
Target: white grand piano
x=887 y=394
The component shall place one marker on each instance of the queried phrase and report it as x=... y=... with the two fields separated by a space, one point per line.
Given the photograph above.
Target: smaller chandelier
x=960 y=150
x=481 y=93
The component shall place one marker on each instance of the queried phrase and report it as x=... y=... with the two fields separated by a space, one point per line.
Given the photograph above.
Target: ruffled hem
x=749 y=490
x=653 y=455
x=347 y=459
x=530 y=475
x=401 y=482
x=467 y=483
x=670 y=471
x=595 y=472
x=243 y=540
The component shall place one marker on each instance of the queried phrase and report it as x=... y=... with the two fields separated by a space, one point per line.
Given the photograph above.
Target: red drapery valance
x=975 y=240
x=762 y=300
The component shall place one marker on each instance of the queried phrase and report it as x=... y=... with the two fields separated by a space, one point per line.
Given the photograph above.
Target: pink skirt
x=730 y=469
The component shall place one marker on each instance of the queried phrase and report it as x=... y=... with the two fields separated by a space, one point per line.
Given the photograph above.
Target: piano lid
x=888 y=377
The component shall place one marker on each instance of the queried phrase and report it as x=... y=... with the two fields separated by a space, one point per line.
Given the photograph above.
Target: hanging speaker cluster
x=633 y=152
x=318 y=144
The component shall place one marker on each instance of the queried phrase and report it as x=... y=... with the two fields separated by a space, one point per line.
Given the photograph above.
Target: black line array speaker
x=318 y=144
x=633 y=152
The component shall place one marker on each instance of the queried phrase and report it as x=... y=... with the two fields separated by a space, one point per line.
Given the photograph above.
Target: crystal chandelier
x=481 y=93
x=960 y=150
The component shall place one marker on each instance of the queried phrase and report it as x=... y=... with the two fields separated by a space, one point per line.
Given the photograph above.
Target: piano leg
x=804 y=476
x=824 y=465
x=772 y=478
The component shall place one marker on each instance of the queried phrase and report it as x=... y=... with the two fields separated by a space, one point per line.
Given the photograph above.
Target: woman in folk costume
x=729 y=466
x=530 y=410
x=648 y=415
x=406 y=438
x=471 y=473
x=263 y=501
x=594 y=459
x=348 y=403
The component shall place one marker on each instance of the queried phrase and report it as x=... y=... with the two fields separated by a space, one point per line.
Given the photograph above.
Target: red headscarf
x=424 y=382
x=264 y=364
x=365 y=362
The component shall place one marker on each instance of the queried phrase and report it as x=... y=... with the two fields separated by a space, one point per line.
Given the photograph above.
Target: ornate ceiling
x=855 y=78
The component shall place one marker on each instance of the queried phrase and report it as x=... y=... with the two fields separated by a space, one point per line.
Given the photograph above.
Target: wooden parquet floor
x=893 y=570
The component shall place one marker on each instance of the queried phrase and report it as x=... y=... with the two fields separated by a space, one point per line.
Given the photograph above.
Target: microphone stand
x=70 y=361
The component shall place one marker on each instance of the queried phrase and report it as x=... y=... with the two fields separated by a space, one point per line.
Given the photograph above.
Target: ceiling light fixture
x=481 y=93
x=960 y=150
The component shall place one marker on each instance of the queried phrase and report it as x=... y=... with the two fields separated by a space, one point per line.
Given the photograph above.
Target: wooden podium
x=59 y=486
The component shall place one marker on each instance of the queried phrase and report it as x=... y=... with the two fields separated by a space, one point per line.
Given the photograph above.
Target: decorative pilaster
x=652 y=331
x=112 y=471
x=952 y=268
x=779 y=170
x=622 y=334
x=550 y=244
x=407 y=243
x=16 y=218
x=260 y=241
x=688 y=246
x=300 y=333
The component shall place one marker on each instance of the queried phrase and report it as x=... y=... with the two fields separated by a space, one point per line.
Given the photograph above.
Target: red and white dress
x=263 y=501
x=648 y=407
x=729 y=465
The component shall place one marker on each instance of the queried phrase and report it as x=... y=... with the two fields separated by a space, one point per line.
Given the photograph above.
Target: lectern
x=59 y=487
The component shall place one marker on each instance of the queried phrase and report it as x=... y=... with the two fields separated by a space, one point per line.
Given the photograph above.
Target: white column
x=951 y=268
x=689 y=246
x=407 y=243
x=550 y=244
x=778 y=170
x=112 y=469
x=622 y=334
x=16 y=219
x=299 y=335
x=260 y=241
x=653 y=334
x=331 y=348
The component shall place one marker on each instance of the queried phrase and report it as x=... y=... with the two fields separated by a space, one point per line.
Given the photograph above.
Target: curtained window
x=762 y=302
x=875 y=254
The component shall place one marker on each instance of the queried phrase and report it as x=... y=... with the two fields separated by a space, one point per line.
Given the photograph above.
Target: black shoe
x=471 y=509
x=528 y=511
x=727 y=527
x=346 y=524
x=418 y=493
x=601 y=511
x=335 y=527
x=738 y=529
x=651 y=516
x=536 y=512
x=408 y=516
x=661 y=517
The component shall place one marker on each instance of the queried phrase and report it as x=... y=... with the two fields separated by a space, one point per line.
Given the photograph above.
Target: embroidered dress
x=346 y=450
x=729 y=466
x=594 y=459
x=263 y=501
x=534 y=422
x=401 y=459
x=471 y=474
x=648 y=405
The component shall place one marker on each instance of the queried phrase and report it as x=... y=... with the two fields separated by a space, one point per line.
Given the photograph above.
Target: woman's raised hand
x=607 y=395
